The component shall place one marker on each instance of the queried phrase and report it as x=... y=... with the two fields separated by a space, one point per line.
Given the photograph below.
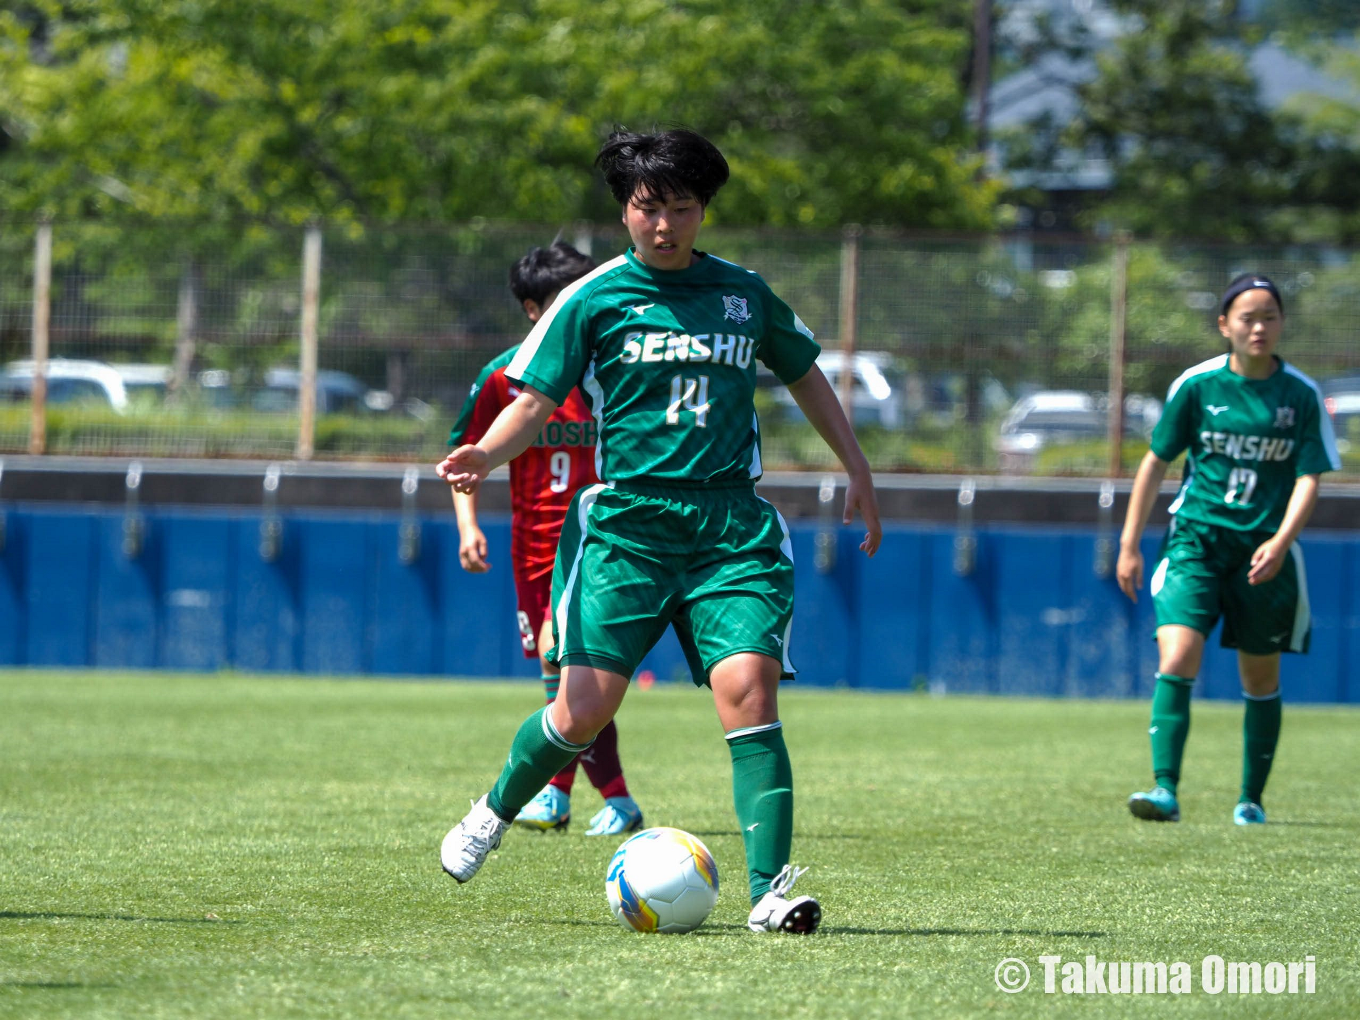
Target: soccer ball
x=662 y=880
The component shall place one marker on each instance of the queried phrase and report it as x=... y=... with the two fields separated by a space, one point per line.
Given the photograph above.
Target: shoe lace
x=783 y=882
x=485 y=828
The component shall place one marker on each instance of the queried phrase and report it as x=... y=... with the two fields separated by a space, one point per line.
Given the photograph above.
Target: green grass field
x=225 y=846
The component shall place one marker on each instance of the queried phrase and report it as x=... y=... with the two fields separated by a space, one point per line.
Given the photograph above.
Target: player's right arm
x=547 y=367
x=1146 y=484
x=509 y=436
x=1172 y=434
x=471 y=541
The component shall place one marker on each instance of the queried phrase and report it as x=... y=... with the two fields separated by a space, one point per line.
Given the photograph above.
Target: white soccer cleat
x=464 y=849
x=776 y=912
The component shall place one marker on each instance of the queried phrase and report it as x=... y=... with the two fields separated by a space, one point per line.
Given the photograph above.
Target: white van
x=70 y=381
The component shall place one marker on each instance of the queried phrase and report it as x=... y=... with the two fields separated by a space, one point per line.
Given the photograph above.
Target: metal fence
x=193 y=341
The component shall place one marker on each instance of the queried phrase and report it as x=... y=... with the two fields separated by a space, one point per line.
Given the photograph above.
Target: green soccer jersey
x=666 y=360
x=1247 y=442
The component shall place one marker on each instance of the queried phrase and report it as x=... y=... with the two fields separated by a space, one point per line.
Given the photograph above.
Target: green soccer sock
x=762 y=789
x=536 y=755
x=550 y=685
x=1260 y=734
x=1170 y=724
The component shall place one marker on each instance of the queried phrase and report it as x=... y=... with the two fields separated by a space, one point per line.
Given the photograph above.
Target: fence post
x=311 y=300
x=1119 y=305
x=849 y=316
x=186 y=331
x=42 y=318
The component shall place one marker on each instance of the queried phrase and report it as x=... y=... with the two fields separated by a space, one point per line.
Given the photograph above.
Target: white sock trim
x=550 y=731
x=733 y=734
x=1261 y=697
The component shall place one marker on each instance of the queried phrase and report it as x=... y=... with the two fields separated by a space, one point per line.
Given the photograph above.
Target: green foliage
x=432 y=111
x=1194 y=150
x=193 y=431
x=1177 y=110
x=228 y=847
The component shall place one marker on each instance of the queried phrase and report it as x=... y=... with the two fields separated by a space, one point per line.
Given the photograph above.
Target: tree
x=1194 y=151
x=433 y=110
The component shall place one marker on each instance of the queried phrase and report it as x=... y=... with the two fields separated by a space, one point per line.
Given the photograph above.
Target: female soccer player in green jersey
x=1257 y=438
x=662 y=341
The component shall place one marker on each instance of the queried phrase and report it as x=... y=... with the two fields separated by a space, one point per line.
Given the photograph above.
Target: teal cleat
x=619 y=814
x=1157 y=805
x=551 y=809
x=1249 y=813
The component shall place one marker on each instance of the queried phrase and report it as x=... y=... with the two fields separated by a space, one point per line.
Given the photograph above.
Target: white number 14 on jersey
x=689 y=395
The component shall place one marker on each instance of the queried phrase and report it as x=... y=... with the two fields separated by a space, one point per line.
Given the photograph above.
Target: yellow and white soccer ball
x=662 y=880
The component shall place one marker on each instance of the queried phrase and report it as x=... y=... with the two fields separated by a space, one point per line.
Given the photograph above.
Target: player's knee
x=1260 y=674
x=578 y=724
x=747 y=704
x=581 y=715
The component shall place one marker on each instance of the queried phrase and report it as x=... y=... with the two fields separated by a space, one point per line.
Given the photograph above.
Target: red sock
x=602 y=765
x=566 y=777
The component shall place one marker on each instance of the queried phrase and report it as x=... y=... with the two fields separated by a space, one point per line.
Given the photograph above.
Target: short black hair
x=545 y=271
x=649 y=167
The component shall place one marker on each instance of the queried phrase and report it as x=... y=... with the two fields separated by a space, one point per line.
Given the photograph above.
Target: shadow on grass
x=50 y=984
x=963 y=931
x=705 y=834
x=711 y=928
x=45 y=915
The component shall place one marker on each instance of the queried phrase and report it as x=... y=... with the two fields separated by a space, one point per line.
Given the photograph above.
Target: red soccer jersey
x=544 y=477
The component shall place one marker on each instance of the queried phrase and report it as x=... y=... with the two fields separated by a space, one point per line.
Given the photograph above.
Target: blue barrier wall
x=1031 y=618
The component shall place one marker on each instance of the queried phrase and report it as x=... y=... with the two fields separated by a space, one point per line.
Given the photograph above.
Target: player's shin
x=537 y=753
x=566 y=777
x=762 y=789
x=1260 y=734
x=1170 y=724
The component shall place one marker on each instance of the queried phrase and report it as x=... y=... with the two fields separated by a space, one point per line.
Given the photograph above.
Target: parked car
x=1054 y=417
x=940 y=399
x=336 y=393
x=145 y=384
x=876 y=393
x=1341 y=397
x=69 y=381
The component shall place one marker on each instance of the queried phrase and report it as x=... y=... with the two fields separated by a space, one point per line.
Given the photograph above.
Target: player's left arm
x=818 y=402
x=1270 y=555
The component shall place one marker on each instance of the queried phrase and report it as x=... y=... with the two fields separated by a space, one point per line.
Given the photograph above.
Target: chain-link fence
x=969 y=354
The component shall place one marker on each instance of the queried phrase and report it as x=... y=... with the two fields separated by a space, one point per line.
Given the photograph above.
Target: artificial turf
x=235 y=846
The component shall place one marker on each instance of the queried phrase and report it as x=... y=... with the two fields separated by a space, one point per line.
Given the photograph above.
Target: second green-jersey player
x=1257 y=442
x=667 y=361
x=1246 y=442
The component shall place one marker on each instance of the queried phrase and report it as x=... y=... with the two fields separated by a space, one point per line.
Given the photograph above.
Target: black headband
x=1245 y=283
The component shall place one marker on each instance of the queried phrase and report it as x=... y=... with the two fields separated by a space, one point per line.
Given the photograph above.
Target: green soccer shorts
x=1201 y=574
x=713 y=561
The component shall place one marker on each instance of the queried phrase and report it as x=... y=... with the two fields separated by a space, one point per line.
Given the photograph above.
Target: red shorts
x=534 y=598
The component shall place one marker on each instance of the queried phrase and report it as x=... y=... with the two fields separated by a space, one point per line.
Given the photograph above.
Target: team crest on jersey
x=734 y=308
x=1284 y=417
